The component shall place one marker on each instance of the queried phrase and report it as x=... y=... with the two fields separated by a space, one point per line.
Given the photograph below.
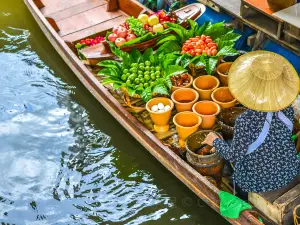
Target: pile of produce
x=180 y=80
x=143 y=28
x=199 y=46
x=139 y=74
x=89 y=42
x=86 y=43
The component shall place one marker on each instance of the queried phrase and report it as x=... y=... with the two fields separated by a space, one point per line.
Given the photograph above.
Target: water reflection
x=57 y=166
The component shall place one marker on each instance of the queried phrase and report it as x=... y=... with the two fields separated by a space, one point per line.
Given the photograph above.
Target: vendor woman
x=262 y=153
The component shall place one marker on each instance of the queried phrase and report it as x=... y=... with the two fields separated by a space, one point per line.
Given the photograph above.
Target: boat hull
x=185 y=173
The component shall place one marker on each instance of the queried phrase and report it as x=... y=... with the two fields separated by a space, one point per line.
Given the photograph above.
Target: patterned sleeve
x=240 y=142
x=290 y=113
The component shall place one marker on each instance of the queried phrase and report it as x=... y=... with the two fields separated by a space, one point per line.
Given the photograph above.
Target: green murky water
x=63 y=158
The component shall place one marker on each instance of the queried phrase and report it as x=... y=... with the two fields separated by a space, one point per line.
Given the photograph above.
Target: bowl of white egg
x=160 y=110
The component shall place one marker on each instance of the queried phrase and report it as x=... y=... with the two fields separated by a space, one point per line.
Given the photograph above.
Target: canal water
x=63 y=158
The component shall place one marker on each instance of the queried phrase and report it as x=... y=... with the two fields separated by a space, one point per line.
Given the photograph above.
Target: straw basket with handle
x=296 y=215
x=192 y=11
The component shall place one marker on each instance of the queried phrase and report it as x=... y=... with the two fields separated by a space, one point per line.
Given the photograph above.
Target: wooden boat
x=64 y=22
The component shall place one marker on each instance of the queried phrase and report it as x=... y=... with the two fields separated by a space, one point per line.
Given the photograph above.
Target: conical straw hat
x=263 y=81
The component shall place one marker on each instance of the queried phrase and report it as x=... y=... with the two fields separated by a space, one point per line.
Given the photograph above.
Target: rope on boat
x=296 y=217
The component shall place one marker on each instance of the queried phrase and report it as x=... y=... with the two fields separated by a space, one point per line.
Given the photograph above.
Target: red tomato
x=183 y=52
x=198 y=45
x=213 y=47
x=198 y=54
x=204 y=52
x=214 y=52
x=198 y=50
x=191 y=46
x=208 y=41
x=202 y=47
x=210 y=45
x=202 y=42
x=203 y=38
x=208 y=37
x=208 y=52
x=185 y=49
x=206 y=48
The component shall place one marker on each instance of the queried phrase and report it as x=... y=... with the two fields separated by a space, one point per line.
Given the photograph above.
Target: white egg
x=161 y=110
x=167 y=107
x=154 y=108
x=161 y=106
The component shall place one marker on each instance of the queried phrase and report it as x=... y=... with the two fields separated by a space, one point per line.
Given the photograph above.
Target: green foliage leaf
x=228 y=51
x=222 y=44
x=227 y=40
x=179 y=33
x=199 y=30
x=147 y=54
x=173 y=70
x=193 y=24
x=216 y=30
x=179 y=30
x=146 y=94
x=168 y=82
x=171 y=37
x=185 y=60
x=126 y=59
x=131 y=91
x=141 y=39
x=228 y=37
x=212 y=63
x=109 y=72
x=116 y=85
x=160 y=89
x=167 y=47
x=169 y=59
x=136 y=55
x=200 y=63
x=110 y=64
x=107 y=80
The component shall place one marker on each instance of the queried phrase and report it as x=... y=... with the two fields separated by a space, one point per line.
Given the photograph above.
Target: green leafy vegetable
x=223 y=36
x=143 y=74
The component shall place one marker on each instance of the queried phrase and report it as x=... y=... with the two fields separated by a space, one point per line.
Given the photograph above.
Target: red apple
x=130 y=37
x=112 y=37
x=120 y=41
x=122 y=32
x=115 y=29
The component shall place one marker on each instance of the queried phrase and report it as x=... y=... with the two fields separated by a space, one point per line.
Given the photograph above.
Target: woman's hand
x=210 y=139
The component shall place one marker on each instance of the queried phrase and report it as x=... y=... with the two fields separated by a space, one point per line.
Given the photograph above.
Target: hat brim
x=264 y=92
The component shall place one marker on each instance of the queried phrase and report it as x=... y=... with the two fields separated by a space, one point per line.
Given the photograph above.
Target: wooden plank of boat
x=192 y=179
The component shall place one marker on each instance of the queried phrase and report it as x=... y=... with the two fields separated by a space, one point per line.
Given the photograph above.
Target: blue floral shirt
x=273 y=164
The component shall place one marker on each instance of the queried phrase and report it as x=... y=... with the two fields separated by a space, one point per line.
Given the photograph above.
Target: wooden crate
x=278 y=206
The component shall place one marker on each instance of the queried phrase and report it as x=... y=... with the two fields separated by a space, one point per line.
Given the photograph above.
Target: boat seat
x=278 y=205
x=79 y=19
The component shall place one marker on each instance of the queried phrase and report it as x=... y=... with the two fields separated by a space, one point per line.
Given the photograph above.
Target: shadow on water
x=63 y=157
